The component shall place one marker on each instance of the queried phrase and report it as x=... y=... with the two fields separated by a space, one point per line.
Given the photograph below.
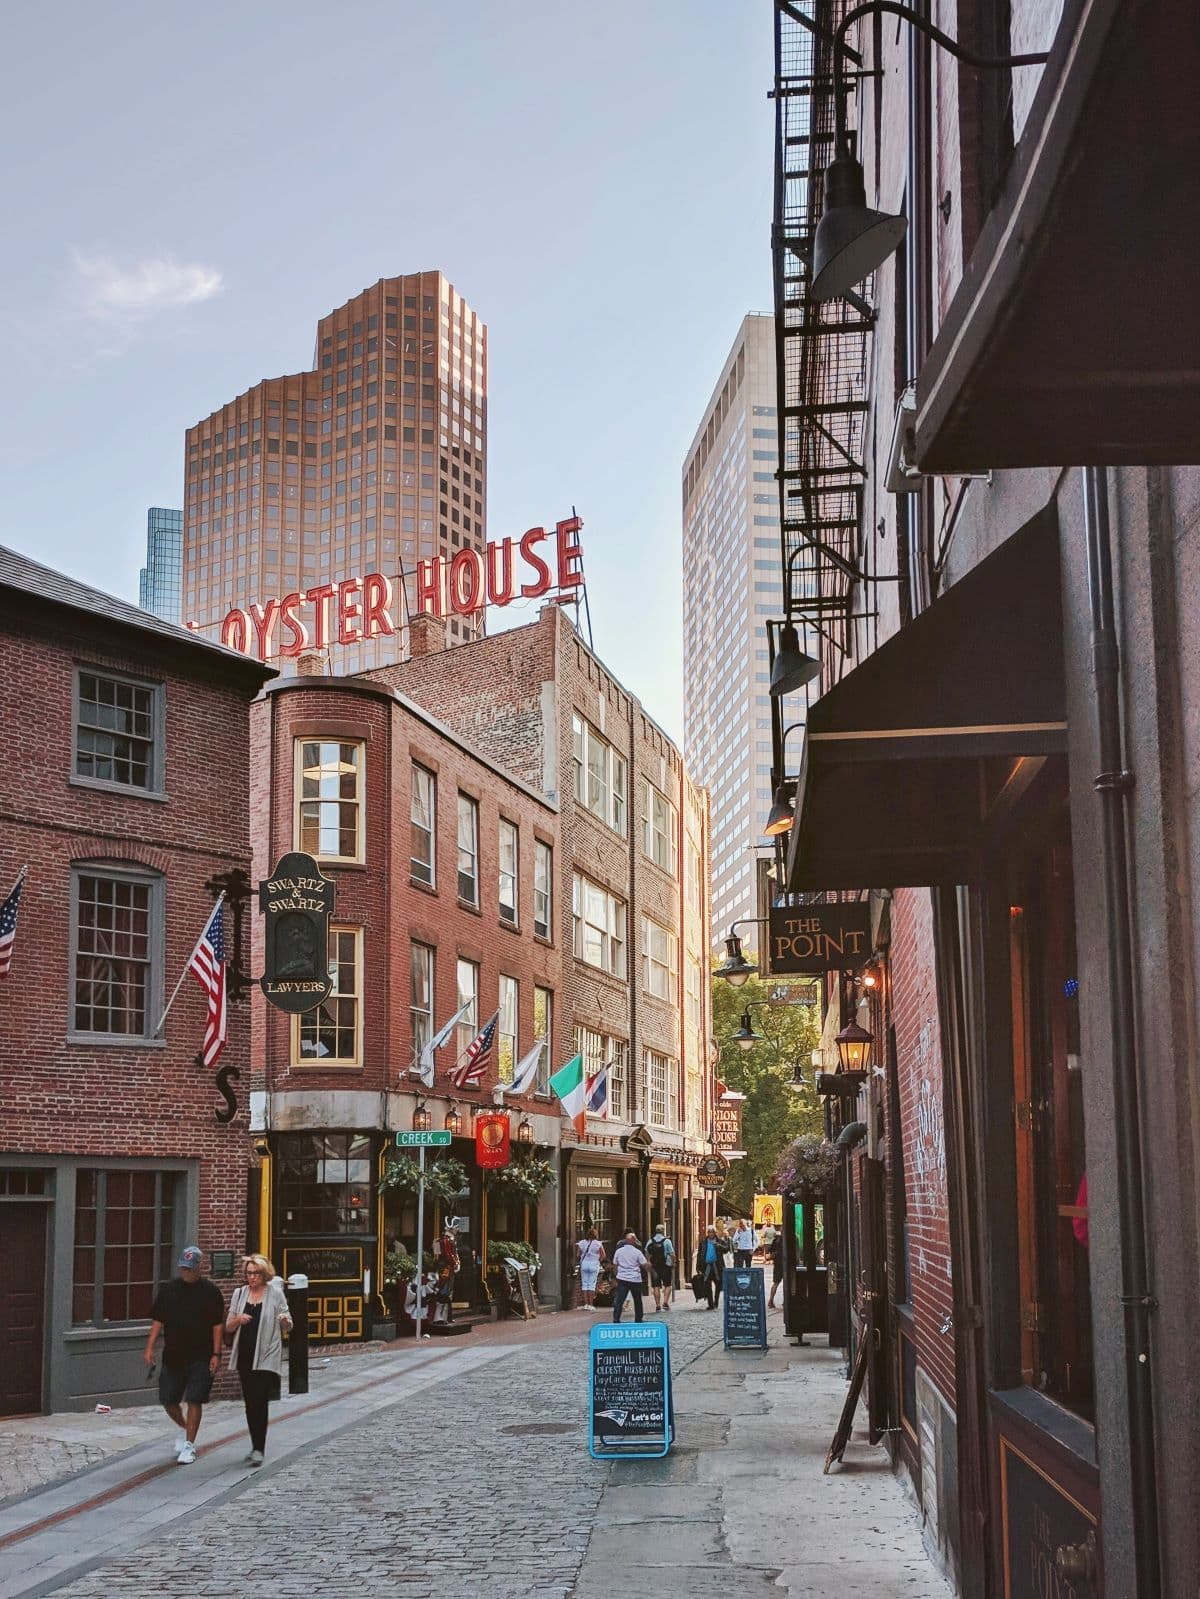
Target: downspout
x=1112 y=784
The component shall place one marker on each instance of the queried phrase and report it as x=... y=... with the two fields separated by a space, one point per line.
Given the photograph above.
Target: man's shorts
x=661 y=1278
x=191 y=1384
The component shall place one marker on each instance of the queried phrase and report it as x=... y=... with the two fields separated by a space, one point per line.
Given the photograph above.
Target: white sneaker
x=187 y=1455
x=180 y=1444
x=256 y=1458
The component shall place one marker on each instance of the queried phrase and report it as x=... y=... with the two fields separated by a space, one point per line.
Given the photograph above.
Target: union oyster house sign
x=297 y=902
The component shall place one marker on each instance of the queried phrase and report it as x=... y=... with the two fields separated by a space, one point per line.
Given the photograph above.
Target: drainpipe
x=1112 y=784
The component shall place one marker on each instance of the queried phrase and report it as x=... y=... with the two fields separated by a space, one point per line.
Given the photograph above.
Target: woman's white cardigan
x=268 y=1351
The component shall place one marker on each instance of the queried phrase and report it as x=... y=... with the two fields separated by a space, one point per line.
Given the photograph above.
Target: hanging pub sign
x=712 y=1172
x=492 y=1148
x=297 y=902
x=727 y=1120
x=810 y=939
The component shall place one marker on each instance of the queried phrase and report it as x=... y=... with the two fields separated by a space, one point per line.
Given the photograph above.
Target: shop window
x=329 y=799
x=331 y=1034
x=509 y=858
x=424 y=813
x=124 y=1243
x=324 y=1183
x=116 y=963
x=543 y=891
x=1051 y=1163
x=118 y=730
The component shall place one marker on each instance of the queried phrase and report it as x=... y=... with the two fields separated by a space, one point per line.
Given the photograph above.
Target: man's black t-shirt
x=188 y=1312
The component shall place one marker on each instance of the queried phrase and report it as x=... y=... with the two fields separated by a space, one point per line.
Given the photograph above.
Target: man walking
x=743 y=1244
x=190 y=1313
x=661 y=1251
x=630 y=1263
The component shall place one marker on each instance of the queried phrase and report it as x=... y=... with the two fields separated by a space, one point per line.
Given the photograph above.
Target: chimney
x=426 y=635
x=311 y=664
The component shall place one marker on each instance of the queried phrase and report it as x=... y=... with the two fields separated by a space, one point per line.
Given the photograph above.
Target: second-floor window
x=543 y=888
x=420 y=1004
x=662 y=1090
x=468 y=850
x=598 y=1050
x=118 y=732
x=117 y=955
x=331 y=1035
x=543 y=1027
x=600 y=775
x=329 y=799
x=509 y=859
x=599 y=926
x=424 y=812
x=507 y=1030
x=468 y=995
x=659 y=835
x=660 y=961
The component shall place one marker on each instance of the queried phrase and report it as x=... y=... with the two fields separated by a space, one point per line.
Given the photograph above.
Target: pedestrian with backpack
x=661 y=1253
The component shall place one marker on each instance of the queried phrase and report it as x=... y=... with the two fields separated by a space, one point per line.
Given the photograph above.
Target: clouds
x=136 y=293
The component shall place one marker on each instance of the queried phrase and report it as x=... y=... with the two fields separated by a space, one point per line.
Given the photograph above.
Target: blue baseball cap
x=190 y=1258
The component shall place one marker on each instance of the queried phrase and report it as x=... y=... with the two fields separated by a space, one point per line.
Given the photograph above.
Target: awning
x=1073 y=337
x=908 y=756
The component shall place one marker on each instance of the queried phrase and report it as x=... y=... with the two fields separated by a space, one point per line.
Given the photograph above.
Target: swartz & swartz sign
x=356 y=609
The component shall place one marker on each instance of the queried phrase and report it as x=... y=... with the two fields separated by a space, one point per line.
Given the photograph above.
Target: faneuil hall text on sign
x=356 y=609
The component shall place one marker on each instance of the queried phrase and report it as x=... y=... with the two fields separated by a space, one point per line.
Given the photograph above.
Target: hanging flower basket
x=524 y=1181
x=444 y=1179
x=810 y=1166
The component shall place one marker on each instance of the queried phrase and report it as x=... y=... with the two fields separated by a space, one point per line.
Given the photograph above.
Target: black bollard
x=297 y=1298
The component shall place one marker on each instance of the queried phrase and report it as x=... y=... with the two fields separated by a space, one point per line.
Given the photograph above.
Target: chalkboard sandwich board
x=744 y=1295
x=630 y=1414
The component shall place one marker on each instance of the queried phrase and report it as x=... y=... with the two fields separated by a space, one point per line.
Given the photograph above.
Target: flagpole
x=187 y=964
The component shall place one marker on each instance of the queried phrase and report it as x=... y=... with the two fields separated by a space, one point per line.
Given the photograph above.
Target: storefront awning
x=1072 y=337
x=908 y=756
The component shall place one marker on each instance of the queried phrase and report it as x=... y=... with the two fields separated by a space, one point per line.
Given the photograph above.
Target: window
x=660 y=961
x=116 y=939
x=118 y=730
x=124 y=1243
x=507 y=1031
x=329 y=808
x=324 y=1183
x=424 y=813
x=331 y=1033
x=509 y=847
x=662 y=1090
x=543 y=892
x=598 y=1050
x=468 y=850
x=658 y=828
x=468 y=995
x=692 y=983
x=599 y=775
x=599 y=927
x=420 y=1002
x=543 y=1027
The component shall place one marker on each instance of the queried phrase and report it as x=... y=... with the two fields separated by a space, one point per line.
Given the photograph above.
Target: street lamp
x=735 y=968
x=746 y=1037
x=851 y=239
x=422 y=1121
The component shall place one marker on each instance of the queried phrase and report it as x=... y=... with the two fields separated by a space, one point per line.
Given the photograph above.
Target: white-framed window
x=600 y=775
x=662 y=1090
x=692 y=885
x=329 y=799
x=119 y=730
x=116 y=952
x=468 y=850
x=420 y=1002
x=543 y=1027
x=424 y=822
x=659 y=827
x=543 y=888
x=506 y=1032
x=467 y=976
x=509 y=870
x=598 y=919
x=660 y=960
x=693 y=979
x=598 y=1049
x=331 y=1035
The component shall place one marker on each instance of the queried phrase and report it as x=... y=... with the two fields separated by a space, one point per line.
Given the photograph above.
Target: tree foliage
x=774 y=1114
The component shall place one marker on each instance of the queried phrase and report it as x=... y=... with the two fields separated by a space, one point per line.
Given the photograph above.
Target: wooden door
x=22 y=1307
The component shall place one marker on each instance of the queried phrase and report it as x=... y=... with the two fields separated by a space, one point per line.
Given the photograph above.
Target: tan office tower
x=370 y=462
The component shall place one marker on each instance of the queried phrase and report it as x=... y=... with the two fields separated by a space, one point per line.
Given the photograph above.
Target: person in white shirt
x=743 y=1244
x=630 y=1263
x=591 y=1258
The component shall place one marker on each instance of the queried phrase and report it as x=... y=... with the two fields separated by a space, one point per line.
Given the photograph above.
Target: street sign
x=433 y=1140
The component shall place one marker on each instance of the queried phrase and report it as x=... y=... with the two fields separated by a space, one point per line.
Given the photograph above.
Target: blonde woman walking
x=258 y=1316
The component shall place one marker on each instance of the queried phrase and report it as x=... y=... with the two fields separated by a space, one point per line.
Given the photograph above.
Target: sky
x=188 y=189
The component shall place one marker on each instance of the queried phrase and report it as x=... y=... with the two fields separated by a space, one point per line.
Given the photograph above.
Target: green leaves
x=524 y=1180
x=444 y=1179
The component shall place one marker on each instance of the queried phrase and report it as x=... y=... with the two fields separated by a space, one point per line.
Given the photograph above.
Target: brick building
x=631 y=906
x=124 y=790
x=981 y=506
x=443 y=863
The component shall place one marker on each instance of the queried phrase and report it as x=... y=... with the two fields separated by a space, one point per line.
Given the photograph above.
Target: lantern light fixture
x=454 y=1121
x=422 y=1121
x=524 y=1131
x=854 y=1047
x=745 y=1037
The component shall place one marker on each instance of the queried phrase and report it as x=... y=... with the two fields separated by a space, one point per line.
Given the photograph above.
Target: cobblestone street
x=413 y=1472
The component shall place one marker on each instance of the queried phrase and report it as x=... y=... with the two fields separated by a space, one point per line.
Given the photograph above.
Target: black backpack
x=657 y=1251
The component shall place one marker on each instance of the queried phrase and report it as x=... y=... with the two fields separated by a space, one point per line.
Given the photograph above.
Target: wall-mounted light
x=781 y=815
x=745 y=1037
x=422 y=1121
x=854 y=1047
x=454 y=1121
x=792 y=668
x=525 y=1131
x=735 y=968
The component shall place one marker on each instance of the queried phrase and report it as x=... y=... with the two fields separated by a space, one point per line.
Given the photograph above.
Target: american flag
x=469 y=1071
x=208 y=963
x=8 y=925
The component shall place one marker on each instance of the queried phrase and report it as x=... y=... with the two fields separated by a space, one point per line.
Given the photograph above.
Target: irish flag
x=568 y=1083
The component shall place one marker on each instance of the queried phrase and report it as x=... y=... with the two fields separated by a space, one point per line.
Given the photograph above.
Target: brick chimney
x=311 y=664
x=426 y=635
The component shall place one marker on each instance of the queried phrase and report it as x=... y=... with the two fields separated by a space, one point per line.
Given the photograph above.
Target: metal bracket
x=1122 y=782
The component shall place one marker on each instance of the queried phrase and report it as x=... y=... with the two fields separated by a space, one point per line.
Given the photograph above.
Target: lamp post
x=735 y=968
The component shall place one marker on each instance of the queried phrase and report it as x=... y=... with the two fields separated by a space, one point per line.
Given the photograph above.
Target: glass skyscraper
x=160 y=582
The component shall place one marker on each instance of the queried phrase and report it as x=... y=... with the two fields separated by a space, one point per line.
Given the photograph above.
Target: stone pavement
x=463 y=1469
